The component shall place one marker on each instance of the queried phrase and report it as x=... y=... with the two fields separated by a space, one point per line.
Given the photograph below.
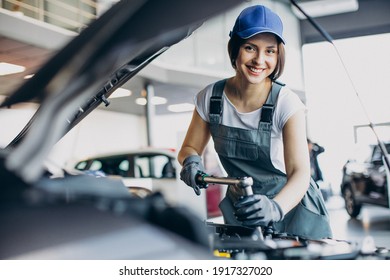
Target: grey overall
x=247 y=153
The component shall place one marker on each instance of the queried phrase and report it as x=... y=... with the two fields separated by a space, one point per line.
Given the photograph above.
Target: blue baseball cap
x=255 y=20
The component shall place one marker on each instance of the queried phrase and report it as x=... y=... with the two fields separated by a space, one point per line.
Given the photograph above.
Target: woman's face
x=257 y=57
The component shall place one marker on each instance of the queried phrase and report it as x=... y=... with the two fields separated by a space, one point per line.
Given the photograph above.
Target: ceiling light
x=319 y=8
x=181 y=107
x=8 y=68
x=120 y=92
x=157 y=100
x=141 y=101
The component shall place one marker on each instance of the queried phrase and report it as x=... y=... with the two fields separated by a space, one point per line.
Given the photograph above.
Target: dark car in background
x=366 y=181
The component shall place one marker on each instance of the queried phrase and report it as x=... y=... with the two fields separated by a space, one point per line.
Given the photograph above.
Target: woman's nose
x=259 y=58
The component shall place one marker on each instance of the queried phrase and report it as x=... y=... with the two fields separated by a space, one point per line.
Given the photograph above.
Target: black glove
x=192 y=165
x=258 y=210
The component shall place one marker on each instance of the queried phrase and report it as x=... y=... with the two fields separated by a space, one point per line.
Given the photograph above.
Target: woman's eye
x=271 y=51
x=249 y=48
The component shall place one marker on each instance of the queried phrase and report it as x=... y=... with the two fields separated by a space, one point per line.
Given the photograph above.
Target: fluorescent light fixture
x=141 y=101
x=320 y=8
x=120 y=92
x=181 y=107
x=156 y=100
x=8 y=68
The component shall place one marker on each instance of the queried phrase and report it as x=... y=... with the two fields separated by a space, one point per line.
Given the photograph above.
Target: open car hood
x=86 y=71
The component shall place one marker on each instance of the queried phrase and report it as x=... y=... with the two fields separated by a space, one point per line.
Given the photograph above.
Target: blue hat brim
x=246 y=34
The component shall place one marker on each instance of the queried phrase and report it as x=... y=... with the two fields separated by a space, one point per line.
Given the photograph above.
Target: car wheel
x=353 y=208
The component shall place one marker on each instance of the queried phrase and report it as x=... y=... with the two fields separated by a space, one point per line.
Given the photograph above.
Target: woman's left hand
x=258 y=210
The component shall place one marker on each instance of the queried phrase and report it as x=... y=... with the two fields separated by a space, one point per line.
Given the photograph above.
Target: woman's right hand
x=192 y=165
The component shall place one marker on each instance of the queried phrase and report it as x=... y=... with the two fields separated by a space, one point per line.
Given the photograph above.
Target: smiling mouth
x=255 y=70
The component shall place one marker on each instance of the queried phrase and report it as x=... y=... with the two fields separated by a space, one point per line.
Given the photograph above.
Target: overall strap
x=216 y=104
x=267 y=110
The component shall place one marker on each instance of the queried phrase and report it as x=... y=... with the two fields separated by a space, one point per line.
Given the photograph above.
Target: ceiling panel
x=15 y=52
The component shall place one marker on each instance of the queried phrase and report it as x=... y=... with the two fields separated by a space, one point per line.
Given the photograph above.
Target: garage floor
x=372 y=221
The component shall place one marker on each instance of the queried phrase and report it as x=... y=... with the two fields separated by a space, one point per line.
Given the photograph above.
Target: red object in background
x=214 y=192
x=213 y=198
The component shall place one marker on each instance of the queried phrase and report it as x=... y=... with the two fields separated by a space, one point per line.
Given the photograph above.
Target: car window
x=124 y=165
x=96 y=165
x=158 y=163
x=139 y=166
x=154 y=166
x=388 y=147
x=81 y=165
x=377 y=153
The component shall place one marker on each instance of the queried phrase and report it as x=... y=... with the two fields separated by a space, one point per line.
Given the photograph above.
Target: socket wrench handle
x=245 y=183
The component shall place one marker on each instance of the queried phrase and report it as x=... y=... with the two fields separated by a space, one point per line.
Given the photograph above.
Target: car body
x=366 y=181
x=148 y=168
x=141 y=163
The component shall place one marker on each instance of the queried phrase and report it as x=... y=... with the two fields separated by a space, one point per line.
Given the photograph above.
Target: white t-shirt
x=288 y=104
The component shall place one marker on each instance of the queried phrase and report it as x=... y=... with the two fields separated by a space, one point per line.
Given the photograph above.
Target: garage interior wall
x=99 y=134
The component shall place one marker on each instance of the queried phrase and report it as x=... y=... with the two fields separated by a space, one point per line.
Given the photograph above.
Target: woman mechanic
x=258 y=129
